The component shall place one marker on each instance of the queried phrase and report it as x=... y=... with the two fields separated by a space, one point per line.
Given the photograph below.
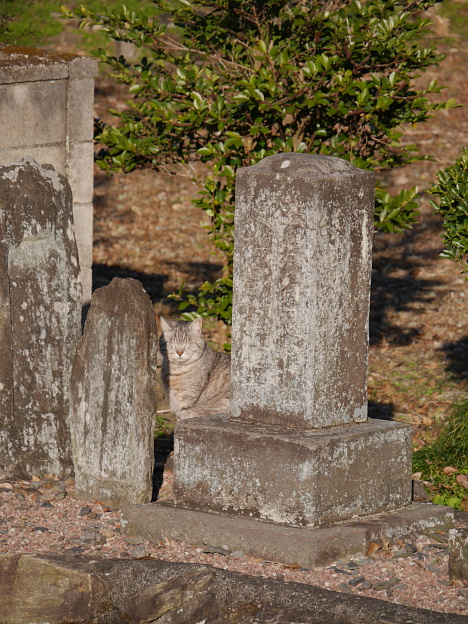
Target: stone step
x=307 y=547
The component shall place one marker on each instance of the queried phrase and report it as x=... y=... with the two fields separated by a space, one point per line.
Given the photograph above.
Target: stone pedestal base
x=298 y=478
x=308 y=548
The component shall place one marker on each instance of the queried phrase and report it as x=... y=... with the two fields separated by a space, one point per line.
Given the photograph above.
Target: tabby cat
x=196 y=379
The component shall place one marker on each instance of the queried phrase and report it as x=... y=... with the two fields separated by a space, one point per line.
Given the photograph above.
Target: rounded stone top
x=307 y=166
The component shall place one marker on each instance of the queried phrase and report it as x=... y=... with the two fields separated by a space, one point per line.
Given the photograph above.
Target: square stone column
x=46 y=107
x=302 y=268
x=40 y=319
x=297 y=447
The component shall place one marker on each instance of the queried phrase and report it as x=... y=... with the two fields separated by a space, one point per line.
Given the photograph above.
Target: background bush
x=28 y=22
x=451 y=189
x=444 y=462
x=229 y=82
x=37 y=23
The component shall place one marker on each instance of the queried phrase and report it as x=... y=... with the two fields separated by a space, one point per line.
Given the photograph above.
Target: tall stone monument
x=297 y=448
x=296 y=472
x=40 y=318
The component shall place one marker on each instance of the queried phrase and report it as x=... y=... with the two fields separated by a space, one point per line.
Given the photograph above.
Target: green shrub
x=230 y=82
x=452 y=191
x=449 y=450
x=451 y=446
x=28 y=22
x=36 y=22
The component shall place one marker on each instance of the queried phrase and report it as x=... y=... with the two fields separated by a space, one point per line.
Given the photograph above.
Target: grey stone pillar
x=302 y=265
x=113 y=396
x=40 y=318
x=458 y=557
x=298 y=448
x=46 y=108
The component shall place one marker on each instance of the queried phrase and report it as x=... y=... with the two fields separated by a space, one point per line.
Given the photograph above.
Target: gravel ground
x=43 y=516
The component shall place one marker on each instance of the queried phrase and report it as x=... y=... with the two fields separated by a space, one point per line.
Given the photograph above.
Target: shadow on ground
x=456 y=358
x=154 y=283
x=395 y=294
x=396 y=286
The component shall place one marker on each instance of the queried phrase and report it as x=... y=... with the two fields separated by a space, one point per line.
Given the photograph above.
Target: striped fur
x=196 y=379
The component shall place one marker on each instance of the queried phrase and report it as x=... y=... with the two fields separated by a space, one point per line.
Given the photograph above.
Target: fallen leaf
x=373 y=548
x=462 y=480
x=464 y=504
x=293 y=566
x=34 y=478
x=446 y=487
x=457 y=583
x=416 y=476
x=450 y=470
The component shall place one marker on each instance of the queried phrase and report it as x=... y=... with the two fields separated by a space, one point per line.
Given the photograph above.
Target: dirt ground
x=147 y=228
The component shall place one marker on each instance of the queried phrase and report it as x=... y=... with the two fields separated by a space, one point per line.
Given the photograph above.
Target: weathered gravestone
x=298 y=448
x=113 y=396
x=40 y=318
x=458 y=557
x=295 y=473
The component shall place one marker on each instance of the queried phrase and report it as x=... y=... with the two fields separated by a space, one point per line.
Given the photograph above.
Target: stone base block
x=308 y=548
x=458 y=557
x=305 y=478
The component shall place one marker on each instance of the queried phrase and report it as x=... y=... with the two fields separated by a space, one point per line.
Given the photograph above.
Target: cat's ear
x=165 y=325
x=196 y=325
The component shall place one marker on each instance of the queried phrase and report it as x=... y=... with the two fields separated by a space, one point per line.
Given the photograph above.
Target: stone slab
x=58 y=589
x=113 y=397
x=80 y=170
x=80 y=100
x=302 y=266
x=299 y=478
x=458 y=556
x=25 y=64
x=53 y=154
x=83 y=223
x=33 y=113
x=87 y=283
x=40 y=317
x=307 y=547
x=46 y=107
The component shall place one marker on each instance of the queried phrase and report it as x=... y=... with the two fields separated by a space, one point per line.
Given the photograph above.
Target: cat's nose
x=180 y=352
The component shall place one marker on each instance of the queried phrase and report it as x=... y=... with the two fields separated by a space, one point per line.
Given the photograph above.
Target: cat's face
x=181 y=341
